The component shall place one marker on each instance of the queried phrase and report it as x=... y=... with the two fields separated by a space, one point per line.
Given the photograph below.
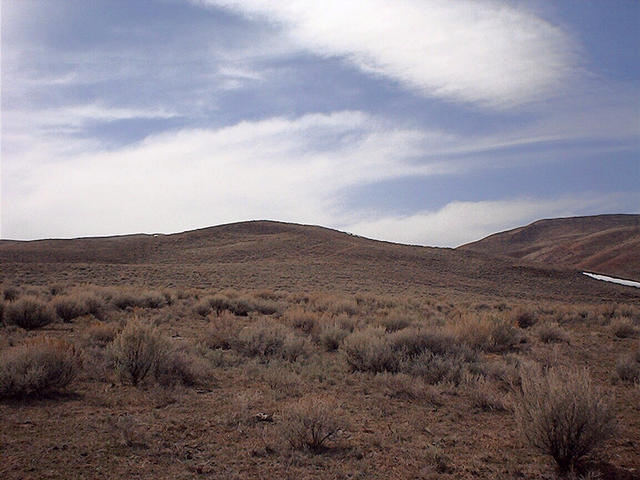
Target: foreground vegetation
x=274 y=384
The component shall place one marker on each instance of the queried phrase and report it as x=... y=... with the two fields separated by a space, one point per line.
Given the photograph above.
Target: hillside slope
x=274 y=255
x=608 y=244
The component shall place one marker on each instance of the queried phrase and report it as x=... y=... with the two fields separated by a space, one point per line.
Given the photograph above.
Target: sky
x=430 y=122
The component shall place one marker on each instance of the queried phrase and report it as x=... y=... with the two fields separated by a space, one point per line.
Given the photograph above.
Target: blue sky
x=419 y=121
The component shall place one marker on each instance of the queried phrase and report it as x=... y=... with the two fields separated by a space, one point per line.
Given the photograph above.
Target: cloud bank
x=284 y=168
x=485 y=52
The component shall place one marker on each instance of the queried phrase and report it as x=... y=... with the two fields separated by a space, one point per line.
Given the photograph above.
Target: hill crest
x=606 y=244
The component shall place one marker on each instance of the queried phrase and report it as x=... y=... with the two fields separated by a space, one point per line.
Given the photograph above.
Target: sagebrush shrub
x=524 y=318
x=29 y=313
x=11 y=294
x=562 y=413
x=488 y=334
x=623 y=328
x=370 y=351
x=552 y=333
x=222 y=332
x=303 y=320
x=137 y=351
x=68 y=307
x=100 y=334
x=628 y=367
x=331 y=337
x=38 y=367
x=181 y=367
x=262 y=339
x=310 y=423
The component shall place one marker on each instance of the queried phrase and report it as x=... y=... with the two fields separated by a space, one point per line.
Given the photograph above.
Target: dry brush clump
x=628 y=366
x=222 y=332
x=29 y=313
x=310 y=423
x=562 y=414
x=524 y=318
x=11 y=293
x=136 y=352
x=404 y=386
x=431 y=353
x=266 y=339
x=69 y=307
x=487 y=333
x=331 y=336
x=140 y=352
x=40 y=366
x=623 y=328
x=552 y=333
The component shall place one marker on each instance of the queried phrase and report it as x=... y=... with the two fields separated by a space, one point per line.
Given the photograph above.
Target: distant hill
x=292 y=257
x=607 y=244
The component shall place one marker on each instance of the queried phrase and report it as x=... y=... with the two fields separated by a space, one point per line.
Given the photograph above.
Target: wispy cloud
x=291 y=169
x=483 y=52
x=283 y=168
x=461 y=222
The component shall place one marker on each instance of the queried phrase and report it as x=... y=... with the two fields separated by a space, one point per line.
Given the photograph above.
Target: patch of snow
x=619 y=281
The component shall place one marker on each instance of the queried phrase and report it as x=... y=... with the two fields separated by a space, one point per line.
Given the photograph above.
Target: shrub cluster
x=29 y=313
x=38 y=367
x=140 y=352
x=68 y=307
x=562 y=414
x=628 y=367
x=240 y=306
x=310 y=423
x=269 y=339
x=147 y=299
x=552 y=333
x=431 y=354
x=137 y=351
x=487 y=334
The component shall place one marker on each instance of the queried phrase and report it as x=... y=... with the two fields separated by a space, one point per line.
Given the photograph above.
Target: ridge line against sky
x=424 y=122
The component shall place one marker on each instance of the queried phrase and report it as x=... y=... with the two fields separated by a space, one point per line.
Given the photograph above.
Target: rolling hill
x=266 y=254
x=607 y=244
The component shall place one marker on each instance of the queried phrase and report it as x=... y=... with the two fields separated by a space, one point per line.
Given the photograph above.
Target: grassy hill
x=608 y=244
x=266 y=254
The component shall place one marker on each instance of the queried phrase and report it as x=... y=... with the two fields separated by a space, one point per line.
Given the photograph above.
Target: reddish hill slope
x=264 y=254
x=607 y=244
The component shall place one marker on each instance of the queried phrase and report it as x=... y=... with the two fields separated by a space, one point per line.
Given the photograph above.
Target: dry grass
x=409 y=372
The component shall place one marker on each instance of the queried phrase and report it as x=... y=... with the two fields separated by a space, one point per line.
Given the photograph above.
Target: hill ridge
x=607 y=244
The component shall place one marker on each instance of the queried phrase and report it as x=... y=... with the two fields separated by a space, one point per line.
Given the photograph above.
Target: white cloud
x=289 y=169
x=462 y=222
x=280 y=168
x=487 y=52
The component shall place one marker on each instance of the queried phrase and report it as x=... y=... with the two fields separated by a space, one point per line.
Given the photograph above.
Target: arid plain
x=272 y=350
